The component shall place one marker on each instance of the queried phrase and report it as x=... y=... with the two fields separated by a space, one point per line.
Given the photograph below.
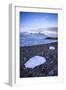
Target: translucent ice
x=52 y=48
x=35 y=61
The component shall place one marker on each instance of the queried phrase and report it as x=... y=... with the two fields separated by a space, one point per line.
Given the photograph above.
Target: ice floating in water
x=35 y=61
x=52 y=48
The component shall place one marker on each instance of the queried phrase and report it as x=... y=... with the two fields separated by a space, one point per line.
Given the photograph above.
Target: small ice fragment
x=35 y=61
x=52 y=48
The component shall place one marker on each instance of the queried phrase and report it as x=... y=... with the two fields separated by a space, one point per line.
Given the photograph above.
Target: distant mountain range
x=51 y=32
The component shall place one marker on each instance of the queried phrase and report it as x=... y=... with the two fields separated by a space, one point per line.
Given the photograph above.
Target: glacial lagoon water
x=34 y=39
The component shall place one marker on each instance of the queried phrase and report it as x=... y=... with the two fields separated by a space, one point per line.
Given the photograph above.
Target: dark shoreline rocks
x=50 y=68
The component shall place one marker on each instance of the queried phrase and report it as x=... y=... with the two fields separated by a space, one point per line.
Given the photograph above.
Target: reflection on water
x=27 y=39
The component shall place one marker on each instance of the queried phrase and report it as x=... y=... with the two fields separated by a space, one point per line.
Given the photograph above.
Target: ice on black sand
x=35 y=61
x=52 y=48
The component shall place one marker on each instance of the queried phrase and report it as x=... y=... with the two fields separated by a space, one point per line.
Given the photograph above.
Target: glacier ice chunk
x=35 y=61
x=52 y=48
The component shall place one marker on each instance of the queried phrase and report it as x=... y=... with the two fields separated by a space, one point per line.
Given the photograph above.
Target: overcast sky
x=33 y=20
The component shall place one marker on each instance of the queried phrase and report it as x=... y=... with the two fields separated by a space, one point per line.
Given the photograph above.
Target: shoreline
x=50 y=68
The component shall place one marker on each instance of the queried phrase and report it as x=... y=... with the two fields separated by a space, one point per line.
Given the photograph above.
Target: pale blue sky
x=33 y=20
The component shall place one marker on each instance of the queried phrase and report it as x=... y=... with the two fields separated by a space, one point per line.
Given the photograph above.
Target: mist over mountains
x=39 y=36
x=46 y=32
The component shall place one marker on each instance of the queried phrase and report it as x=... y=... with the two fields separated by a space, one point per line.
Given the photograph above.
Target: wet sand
x=50 y=68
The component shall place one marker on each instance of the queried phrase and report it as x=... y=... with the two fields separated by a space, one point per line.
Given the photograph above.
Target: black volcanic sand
x=49 y=68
